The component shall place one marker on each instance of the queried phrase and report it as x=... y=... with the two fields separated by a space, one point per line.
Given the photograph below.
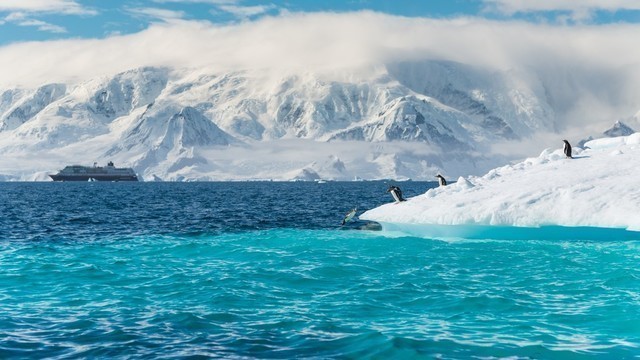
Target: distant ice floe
x=595 y=195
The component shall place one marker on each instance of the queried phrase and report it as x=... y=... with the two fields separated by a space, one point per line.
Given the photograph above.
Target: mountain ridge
x=155 y=118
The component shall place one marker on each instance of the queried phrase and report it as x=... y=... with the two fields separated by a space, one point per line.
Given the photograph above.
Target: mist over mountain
x=405 y=120
x=354 y=95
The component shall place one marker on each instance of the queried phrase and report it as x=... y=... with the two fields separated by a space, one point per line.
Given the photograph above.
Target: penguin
x=350 y=215
x=396 y=193
x=441 y=180
x=567 y=149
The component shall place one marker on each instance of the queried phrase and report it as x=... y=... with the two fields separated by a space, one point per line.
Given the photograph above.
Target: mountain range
x=406 y=120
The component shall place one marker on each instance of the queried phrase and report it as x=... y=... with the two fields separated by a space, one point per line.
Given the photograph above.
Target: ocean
x=263 y=270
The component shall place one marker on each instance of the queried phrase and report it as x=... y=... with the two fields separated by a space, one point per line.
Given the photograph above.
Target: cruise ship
x=95 y=173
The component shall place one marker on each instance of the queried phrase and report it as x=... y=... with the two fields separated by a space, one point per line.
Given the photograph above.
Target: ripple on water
x=183 y=276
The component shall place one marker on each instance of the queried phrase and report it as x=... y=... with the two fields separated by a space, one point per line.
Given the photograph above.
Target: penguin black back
x=567 y=149
x=396 y=193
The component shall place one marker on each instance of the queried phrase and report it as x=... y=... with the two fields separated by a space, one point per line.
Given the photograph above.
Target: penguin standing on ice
x=441 y=180
x=567 y=149
x=396 y=193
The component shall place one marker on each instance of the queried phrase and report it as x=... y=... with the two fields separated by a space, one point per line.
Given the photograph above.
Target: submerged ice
x=597 y=188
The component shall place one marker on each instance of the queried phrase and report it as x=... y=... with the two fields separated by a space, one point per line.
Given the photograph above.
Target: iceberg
x=594 y=195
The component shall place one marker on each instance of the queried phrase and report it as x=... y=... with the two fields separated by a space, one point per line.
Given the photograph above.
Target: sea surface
x=264 y=270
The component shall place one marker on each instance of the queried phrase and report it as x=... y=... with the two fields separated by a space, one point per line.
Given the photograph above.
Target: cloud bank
x=593 y=71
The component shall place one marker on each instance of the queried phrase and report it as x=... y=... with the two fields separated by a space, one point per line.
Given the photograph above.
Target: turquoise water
x=179 y=270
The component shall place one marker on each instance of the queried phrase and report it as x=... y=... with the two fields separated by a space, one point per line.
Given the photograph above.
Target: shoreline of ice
x=598 y=188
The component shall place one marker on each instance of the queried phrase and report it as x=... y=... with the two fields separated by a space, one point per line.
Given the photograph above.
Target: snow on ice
x=596 y=189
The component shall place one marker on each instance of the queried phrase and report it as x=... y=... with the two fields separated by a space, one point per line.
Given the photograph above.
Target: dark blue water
x=79 y=211
x=263 y=270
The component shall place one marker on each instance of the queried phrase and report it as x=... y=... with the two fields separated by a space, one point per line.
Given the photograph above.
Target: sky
x=42 y=20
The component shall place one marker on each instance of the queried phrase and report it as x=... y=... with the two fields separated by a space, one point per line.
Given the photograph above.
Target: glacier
x=593 y=195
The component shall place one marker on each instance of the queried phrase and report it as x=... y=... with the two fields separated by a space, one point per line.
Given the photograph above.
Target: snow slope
x=200 y=124
x=597 y=188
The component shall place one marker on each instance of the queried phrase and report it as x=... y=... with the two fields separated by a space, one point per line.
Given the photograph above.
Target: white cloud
x=246 y=11
x=579 y=9
x=230 y=6
x=43 y=26
x=514 y=6
x=22 y=11
x=16 y=16
x=324 y=40
x=70 y=7
x=212 y=2
x=22 y=19
x=592 y=72
x=156 y=13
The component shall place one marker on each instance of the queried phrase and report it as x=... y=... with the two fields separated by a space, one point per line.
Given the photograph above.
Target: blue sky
x=41 y=20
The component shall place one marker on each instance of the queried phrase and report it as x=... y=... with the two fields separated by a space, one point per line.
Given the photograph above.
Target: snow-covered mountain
x=403 y=120
x=618 y=129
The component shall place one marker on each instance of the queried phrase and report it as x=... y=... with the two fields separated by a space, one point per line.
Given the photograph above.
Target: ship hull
x=85 y=177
